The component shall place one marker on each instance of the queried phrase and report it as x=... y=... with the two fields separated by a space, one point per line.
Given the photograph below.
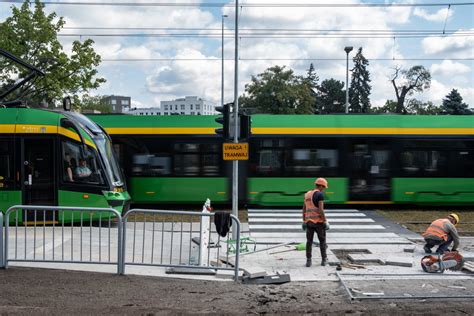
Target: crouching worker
x=314 y=220
x=442 y=232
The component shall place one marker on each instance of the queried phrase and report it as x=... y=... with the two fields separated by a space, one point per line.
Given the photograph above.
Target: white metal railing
x=63 y=235
x=178 y=239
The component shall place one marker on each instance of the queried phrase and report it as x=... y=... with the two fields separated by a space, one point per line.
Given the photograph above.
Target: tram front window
x=111 y=165
x=81 y=167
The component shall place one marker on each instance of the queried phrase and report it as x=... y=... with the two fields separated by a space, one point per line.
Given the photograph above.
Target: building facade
x=118 y=104
x=189 y=105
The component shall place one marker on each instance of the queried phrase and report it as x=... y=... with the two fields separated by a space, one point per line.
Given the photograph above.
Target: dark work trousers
x=321 y=231
x=442 y=245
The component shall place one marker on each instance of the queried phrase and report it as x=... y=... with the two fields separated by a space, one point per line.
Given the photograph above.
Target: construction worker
x=442 y=232
x=314 y=220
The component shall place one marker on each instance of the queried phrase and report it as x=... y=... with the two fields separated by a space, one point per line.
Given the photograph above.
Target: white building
x=190 y=105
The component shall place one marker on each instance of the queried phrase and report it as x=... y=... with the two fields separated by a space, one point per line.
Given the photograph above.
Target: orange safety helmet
x=321 y=181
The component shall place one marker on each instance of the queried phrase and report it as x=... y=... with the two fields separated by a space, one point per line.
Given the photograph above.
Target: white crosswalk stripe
x=347 y=226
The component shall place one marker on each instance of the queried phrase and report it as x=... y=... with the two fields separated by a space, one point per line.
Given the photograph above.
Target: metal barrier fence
x=63 y=235
x=173 y=239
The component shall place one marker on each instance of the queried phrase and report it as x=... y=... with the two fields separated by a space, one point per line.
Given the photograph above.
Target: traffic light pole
x=235 y=163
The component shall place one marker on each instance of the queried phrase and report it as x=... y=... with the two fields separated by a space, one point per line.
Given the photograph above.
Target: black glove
x=303 y=226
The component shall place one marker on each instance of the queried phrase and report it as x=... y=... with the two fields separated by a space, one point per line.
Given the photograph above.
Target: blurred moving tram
x=367 y=159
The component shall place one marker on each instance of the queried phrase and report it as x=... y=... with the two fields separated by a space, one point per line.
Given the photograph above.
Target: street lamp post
x=348 y=49
x=222 y=71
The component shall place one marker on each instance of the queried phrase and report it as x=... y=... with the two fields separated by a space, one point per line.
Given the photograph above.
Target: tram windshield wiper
x=34 y=72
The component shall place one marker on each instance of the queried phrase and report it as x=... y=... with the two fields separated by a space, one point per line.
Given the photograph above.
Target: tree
x=331 y=97
x=32 y=36
x=416 y=79
x=359 y=91
x=278 y=91
x=452 y=104
x=418 y=107
x=388 y=108
x=91 y=103
x=312 y=78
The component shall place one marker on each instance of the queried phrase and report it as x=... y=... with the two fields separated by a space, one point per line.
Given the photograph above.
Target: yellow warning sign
x=235 y=151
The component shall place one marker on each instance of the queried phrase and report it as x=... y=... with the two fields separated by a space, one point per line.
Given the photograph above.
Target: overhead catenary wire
x=275 y=59
x=268 y=36
x=250 y=5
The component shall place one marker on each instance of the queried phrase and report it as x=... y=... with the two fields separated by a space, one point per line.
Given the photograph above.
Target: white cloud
x=439 y=91
x=449 y=47
x=438 y=16
x=449 y=68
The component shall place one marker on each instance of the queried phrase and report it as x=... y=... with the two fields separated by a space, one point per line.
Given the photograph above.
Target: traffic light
x=224 y=120
x=245 y=126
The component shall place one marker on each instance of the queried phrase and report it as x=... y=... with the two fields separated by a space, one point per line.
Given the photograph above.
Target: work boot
x=427 y=250
x=308 y=263
x=324 y=261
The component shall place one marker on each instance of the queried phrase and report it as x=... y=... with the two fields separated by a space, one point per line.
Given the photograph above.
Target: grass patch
x=418 y=220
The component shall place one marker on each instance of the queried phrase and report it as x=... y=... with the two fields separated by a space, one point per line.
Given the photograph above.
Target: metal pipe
x=397 y=297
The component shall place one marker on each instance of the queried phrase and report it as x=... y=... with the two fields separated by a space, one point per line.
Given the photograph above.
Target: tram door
x=369 y=178
x=38 y=178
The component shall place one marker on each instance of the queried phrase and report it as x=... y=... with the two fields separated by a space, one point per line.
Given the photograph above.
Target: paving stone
x=409 y=248
x=254 y=271
x=365 y=258
x=399 y=261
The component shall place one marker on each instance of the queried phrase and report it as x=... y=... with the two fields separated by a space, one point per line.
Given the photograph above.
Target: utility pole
x=235 y=163
x=222 y=62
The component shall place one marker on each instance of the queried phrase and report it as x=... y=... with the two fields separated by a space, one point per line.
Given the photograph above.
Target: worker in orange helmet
x=442 y=232
x=314 y=220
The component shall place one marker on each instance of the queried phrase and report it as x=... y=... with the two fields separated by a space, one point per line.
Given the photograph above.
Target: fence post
x=204 y=232
x=2 y=249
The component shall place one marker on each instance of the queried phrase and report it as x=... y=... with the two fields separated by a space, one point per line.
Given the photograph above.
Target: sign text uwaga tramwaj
x=235 y=151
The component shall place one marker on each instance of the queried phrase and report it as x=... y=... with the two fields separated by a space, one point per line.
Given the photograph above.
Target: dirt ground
x=53 y=292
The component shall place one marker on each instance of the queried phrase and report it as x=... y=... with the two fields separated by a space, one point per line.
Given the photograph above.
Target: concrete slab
x=253 y=271
x=410 y=249
x=399 y=261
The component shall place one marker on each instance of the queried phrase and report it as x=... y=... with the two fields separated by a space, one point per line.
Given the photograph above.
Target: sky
x=151 y=69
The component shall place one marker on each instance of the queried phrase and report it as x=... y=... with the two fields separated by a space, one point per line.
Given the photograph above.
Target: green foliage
x=91 y=103
x=389 y=107
x=331 y=97
x=31 y=35
x=278 y=91
x=414 y=107
x=416 y=79
x=359 y=92
x=452 y=104
x=418 y=107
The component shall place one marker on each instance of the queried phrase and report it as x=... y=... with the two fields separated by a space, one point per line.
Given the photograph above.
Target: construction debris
x=268 y=279
x=254 y=272
x=468 y=266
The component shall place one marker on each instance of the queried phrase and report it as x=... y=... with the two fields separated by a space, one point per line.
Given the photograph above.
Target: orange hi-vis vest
x=311 y=213
x=437 y=229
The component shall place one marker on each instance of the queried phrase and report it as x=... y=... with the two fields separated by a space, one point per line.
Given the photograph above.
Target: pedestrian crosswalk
x=347 y=226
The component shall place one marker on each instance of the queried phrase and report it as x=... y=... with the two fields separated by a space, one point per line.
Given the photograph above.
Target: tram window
x=196 y=159
x=310 y=162
x=269 y=162
x=463 y=160
x=7 y=178
x=79 y=168
x=424 y=163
